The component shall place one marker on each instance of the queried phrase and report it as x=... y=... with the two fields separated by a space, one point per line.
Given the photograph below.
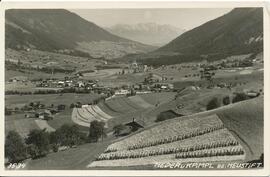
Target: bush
x=212 y=104
x=39 y=141
x=15 y=149
x=240 y=97
x=226 y=100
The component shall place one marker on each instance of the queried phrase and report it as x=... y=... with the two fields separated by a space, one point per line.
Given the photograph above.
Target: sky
x=181 y=18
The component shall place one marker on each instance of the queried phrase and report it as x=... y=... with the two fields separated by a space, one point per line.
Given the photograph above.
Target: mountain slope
x=62 y=31
x=147 y=33
x=238 y=32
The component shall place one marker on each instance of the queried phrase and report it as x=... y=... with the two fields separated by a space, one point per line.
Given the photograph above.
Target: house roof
x=134 y=124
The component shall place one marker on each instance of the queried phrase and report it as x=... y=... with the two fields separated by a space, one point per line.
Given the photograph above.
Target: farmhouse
x=252 y=94
x=133 y=125
x=122 y=92
x=163 y=86
x=79 y=84
x=46 y=114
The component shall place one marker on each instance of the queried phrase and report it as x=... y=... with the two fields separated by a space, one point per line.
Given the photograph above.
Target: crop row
x=211 y=153
x=175 y=138
x=173 y=150
x=169 y=139
x=171 y=131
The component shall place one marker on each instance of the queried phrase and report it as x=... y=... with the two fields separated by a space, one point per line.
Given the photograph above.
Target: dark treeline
x=60 y=91
x=39 y=143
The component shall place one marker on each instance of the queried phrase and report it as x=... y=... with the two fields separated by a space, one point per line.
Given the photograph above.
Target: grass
x=20 y=124
x=254 y=79
x=74 y=158
x=245 y=120
x=42 y=58
x=48 y=99
x=31 y=74
x=61 y=118
x=154 y=98
x=137 y=99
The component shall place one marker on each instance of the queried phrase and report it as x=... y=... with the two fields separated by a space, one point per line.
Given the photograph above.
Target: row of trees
x=60 y=91
x=48 y=91
x=215 y=103
x=93 y=102
x=39 y=143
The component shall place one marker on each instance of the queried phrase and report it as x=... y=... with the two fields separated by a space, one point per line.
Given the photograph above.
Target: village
x=151 y=83
x=81 y=96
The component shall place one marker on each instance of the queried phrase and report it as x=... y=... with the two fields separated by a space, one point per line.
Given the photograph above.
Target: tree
x=118 y=128
x=68 y=135
x=212 y=104
x=72 y=105
x=240 y=97
x=96 y=131
x=15 y=149
x=226 y=100
x=39 y=141
x=55 y=140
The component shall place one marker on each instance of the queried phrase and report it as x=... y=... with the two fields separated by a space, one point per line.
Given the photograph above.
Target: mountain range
x=147 y=33
x=237 y=32
x=59 y=30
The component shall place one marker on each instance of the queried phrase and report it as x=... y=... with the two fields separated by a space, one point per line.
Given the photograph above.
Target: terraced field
x=83 y=116
x=181 y=140
x=120 y=109
x=122 y=105
x=229 y=133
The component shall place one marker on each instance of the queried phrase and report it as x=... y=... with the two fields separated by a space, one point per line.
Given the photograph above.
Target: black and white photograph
x=178 y=89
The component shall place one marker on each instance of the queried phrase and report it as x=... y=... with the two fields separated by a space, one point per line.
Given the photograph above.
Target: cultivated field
x=197 y=138
x=83 y=116
x=226 y=133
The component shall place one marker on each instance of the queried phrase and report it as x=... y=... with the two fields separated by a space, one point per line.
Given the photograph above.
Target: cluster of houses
x=67 y=82
x=40 y=111
x=135 y=67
